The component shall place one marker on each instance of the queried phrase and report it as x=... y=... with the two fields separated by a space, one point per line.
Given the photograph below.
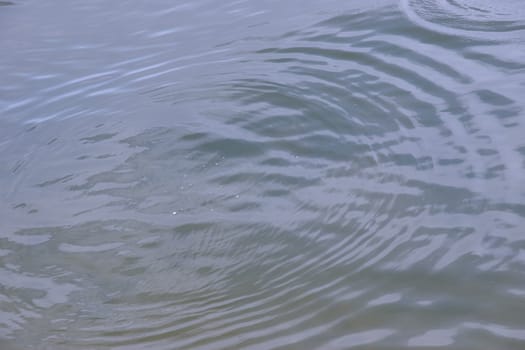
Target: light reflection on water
x=262 y=175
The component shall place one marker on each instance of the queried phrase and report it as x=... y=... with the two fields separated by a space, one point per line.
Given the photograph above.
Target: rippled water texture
x=262 y=174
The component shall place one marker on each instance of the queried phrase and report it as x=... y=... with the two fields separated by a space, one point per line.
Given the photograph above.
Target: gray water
x=262 y=174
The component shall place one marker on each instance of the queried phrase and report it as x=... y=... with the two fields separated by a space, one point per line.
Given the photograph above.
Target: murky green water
x=262 y=174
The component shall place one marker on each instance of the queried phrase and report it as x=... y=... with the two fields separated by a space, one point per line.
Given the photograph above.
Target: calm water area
x=262 y=174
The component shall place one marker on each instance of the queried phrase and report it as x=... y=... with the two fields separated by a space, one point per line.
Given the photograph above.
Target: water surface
x=262 y=174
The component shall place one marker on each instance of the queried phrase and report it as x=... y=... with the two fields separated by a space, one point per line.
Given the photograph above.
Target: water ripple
x=281 y=180
x=474 y=17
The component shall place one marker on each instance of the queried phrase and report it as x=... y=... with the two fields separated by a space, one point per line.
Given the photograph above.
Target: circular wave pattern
x=353 y=180
x=476 y=16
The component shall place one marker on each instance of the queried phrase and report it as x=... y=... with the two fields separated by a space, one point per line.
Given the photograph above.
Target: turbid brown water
x=262 y=174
